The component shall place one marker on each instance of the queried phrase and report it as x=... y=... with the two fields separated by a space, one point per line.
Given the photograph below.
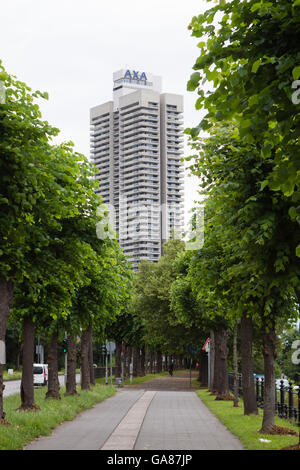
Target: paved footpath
x=164 y=414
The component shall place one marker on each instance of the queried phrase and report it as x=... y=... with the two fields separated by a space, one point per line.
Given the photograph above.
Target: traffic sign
x=206 y=345
x=110 y=346
x=193 y=349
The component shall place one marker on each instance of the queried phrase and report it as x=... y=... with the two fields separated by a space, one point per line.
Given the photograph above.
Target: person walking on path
x=171 y=368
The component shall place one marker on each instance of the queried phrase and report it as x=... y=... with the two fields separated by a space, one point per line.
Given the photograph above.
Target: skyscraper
x=137 y=146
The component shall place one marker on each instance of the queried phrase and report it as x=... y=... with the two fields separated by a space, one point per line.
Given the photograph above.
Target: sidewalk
x=149 y=417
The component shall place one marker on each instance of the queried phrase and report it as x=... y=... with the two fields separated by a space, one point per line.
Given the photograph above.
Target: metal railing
x=287 y=397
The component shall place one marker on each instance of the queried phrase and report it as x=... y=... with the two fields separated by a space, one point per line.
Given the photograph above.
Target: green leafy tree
x=289 y=365
x=163 y=333
x=256 y=266
x=250 y=56
x=24 y=160
x=104 y=298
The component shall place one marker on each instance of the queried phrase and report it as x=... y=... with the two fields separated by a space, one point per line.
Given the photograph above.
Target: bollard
x=119 y=381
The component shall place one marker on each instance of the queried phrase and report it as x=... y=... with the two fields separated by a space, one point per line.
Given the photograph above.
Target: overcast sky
x=71 y=48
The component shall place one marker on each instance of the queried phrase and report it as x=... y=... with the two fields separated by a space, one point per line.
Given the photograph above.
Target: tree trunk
x=235 y=368
x=269 y=353
x=203 y=369
x=249 y=397
x=85 y=368
x=143 y=360
x=71 y=367
x=129 y=358
x=212 y=360
x=27 y=390
x=159 y=362
x=139 y=363
x=135 y=353
x=200 y=367
x=53 y=382
x=18 y=357
x=147 y=361
x=91 y=361
x=124 y=359
x=221 y=385
x=118 y=359
x=151 y=363
x=6 y=297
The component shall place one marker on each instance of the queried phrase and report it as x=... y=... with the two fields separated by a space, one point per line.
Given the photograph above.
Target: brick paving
x=162 y=414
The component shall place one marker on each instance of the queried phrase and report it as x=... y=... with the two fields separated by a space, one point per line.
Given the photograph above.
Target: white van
x=40 y=374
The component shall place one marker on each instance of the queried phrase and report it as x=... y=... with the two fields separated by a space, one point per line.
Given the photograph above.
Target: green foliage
x=250 y=54
x=248 y=262
x=25 y=427
x=152 y=306
x=246 y=427
x=50 y=218
x=24 y=159
x=287 y=366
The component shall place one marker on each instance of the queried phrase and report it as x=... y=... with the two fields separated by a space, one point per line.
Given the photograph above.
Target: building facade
x=137 y=147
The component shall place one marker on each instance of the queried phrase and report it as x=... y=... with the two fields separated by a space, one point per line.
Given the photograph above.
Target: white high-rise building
x=137 y=147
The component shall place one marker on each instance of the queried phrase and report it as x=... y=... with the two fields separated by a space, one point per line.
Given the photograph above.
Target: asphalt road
x=13 y=386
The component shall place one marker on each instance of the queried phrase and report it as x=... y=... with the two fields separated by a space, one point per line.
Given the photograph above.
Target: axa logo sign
x=135 y=75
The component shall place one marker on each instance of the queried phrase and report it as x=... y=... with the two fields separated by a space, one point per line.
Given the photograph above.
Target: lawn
x=135 y=380
x=16 y=375
x=246 y=427
x=28 y=425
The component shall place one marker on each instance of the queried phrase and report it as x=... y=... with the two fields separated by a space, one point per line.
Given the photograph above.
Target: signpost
x=122 y=361
x=39 y=352
x=2 y=352
x=131 y=371
x=106 y=371
x=110 y=347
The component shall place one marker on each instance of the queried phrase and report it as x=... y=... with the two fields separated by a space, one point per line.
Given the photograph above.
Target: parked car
x=40 y=374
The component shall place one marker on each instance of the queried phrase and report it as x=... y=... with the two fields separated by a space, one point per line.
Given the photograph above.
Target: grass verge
x=145 y=378
x=246 y=427
x=135 y=380
x=28 y=425
x=16 y=375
